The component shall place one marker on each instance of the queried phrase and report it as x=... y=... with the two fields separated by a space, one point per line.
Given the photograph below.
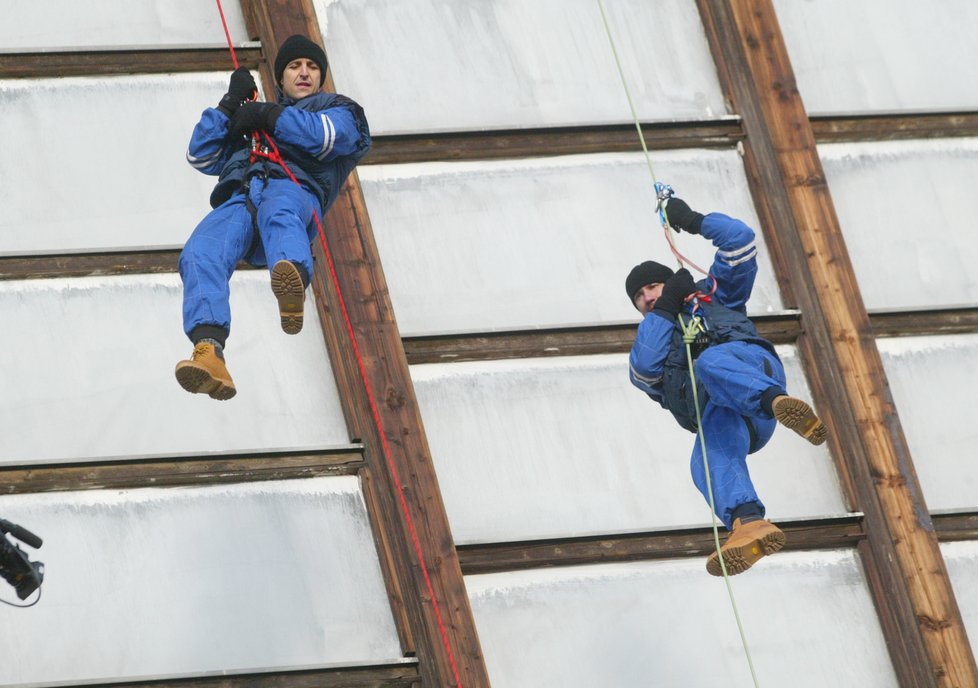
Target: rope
x=274 y=156
x=689 y=331
x=689 y=336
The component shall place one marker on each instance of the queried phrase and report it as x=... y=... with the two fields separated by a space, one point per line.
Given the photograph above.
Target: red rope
x=234 y=58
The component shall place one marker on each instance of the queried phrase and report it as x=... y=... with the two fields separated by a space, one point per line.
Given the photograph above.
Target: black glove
x=253 y=116
x=674 y=294
x=241 y=88
x=681 y=216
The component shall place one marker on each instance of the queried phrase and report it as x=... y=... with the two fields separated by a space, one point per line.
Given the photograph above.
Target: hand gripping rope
x=272 y=155
x=690 y=331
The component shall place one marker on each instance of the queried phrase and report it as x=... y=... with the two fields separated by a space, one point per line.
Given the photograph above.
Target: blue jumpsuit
x=733 y=372
x=321 y=138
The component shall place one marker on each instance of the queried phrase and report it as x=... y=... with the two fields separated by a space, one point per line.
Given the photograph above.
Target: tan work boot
x=206 y=373
x=290 y=292
x=796 y=415
x=745 y=546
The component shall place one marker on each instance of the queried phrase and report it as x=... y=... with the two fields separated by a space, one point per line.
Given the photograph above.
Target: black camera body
x=15 y=567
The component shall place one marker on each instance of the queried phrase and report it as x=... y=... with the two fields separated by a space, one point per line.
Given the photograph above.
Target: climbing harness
x=693 y=331
x=270 y=152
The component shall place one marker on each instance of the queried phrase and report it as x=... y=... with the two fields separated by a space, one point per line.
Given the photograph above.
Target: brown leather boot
x=745 y=546
x=206 y=373
x=796 y=415
x=290 y=292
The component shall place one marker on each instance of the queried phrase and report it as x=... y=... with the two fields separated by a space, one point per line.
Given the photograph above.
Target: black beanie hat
x=648 y=272
x=293 y=48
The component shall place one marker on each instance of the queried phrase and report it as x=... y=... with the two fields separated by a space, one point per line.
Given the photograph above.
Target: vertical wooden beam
x=905 y=569
x=444 y=638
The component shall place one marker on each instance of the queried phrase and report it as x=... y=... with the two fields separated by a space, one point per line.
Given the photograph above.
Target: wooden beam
x=380 y=676
x=522 y=143
x=170 y=472
x=106 y=62
x=403 y=486
x=572 y=341
x=517 y=556
x=920 y=618
x=956 y=527
x=894 y=127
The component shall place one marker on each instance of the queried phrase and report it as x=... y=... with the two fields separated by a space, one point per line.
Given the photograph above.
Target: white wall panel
x=88 y=373
x=808 y=618
x=908 y=219
x=961 y=559
x=197 y=580
x=435 y=65
x=568 y=447
x=50 y=25
x=861 y=56
x=541 y=242
x=97 y=163
x=932 y=380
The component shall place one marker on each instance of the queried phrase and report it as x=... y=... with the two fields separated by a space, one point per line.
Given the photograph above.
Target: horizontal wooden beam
x=894 y=127
x=956 y=527
x=494 y=558
x=170 y=472
x=521 y=143
x=103 y=62
x=603 y=339
x=932 y=322
x=380 y=676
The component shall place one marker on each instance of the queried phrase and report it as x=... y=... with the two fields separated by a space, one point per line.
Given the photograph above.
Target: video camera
x=15 y=567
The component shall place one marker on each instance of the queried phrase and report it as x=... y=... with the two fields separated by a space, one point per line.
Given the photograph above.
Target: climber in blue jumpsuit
x=740 y=380
x=260 y=215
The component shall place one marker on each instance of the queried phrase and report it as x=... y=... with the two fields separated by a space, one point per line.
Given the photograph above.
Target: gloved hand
x=253 y=116
x=241 y=88
x=681 y=216
x=674 y=294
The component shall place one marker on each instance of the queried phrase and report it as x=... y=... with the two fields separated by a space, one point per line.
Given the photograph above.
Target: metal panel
x=909 y=222
x=93 y=164
x=932 y=380
x=880 y=56
x=962 y=565
x=171 y=582
x=53 y=25
x=88 y=373
x=437 y=65
x=542 y=242
x=567 y=447
x=670 y=624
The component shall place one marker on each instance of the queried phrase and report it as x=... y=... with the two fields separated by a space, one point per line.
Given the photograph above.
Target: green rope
x=689 y=336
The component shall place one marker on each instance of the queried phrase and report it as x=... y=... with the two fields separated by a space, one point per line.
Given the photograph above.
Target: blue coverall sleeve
x=208 y=150
x=647 y=358
x=325 y=134
x=735 y=263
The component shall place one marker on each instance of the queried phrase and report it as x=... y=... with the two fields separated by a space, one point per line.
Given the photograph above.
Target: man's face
x=300 y=78
x=647 y=296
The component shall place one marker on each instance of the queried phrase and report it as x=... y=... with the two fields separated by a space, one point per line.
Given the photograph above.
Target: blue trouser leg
x=285 y=222
x=735 y=375
x=208 y=260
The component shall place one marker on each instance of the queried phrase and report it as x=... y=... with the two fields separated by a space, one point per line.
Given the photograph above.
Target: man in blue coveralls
x=260 y=215
x=740 y=381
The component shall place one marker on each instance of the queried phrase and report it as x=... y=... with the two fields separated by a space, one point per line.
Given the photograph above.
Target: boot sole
x=796 y=415
x=290 y=292
x=739 y=559
x=198 y=380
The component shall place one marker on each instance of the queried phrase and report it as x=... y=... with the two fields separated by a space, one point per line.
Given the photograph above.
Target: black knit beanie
x=648 y=272
x=295 y=47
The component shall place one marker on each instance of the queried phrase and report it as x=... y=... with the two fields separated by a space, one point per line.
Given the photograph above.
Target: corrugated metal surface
x=564 y=447
x=437 y=65
x=88 y=372
x=807 y=616
x=541 y=242
x=909 y=218
x=198 y=580
x=933 y=380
